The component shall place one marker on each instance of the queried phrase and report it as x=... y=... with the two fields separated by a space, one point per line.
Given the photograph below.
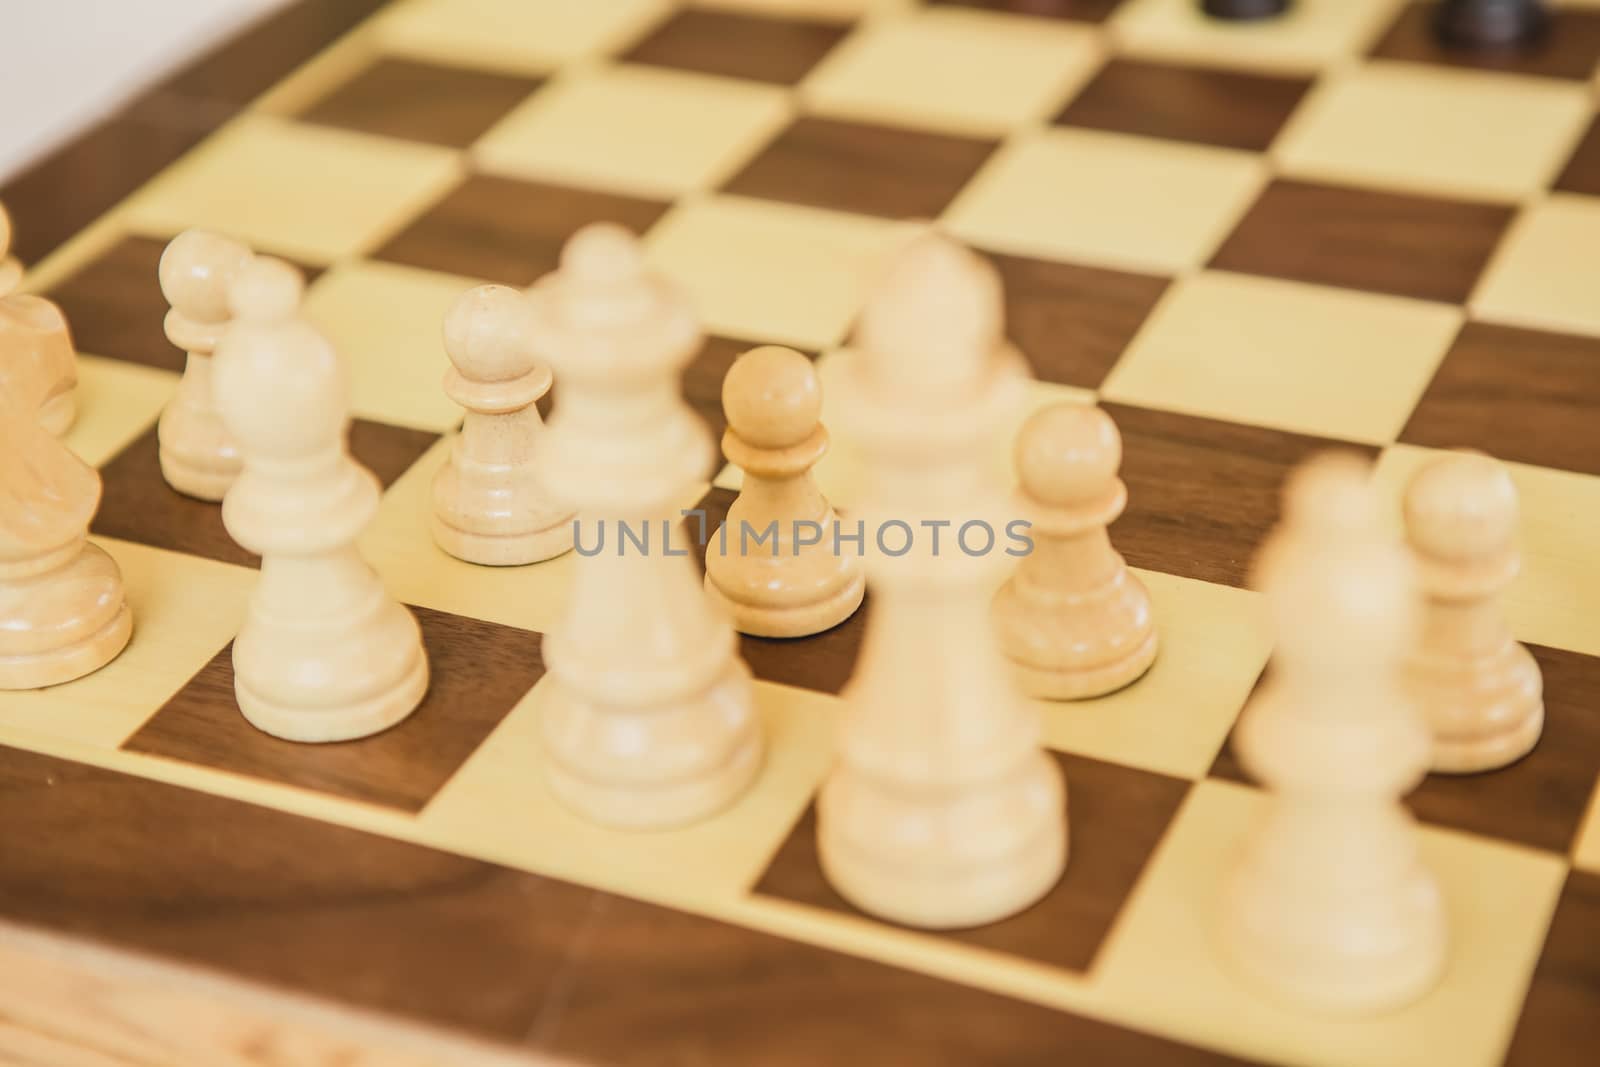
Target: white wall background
x=66 y=63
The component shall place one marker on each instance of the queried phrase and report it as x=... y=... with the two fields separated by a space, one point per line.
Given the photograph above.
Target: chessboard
x=1247 y=242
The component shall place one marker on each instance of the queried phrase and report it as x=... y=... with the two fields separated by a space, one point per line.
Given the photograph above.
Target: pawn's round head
x=1329 y=495
x=772 y=398
x=602 y=253
x=197 y=271
x=1068 y=455
x=486 y=334
x=278 y=384
x=1461 y=506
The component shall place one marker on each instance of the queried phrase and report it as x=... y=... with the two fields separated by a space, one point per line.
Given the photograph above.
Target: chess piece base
x=1067 y=684
x=797 y=620
x=504 y=550
x=1503 y=701
x=632 y=794
x=72 y=621
x=943 y=891
x=1244 y=10
x=59 y=412
x=1511 y=24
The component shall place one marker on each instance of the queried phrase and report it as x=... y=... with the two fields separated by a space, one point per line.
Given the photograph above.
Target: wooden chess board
x=1247 y=242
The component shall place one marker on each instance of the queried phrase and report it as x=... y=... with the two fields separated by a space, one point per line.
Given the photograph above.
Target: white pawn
x=198 y=457
x=1479 y=690
x=325 y=653
x=1074 y=621
x=793 y=583
x=488 y=505
x=61 y=410
x=944 y=809
x=1330 y=906
x=649 y=718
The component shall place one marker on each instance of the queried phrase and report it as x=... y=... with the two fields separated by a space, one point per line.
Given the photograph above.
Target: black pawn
x=1490 y=24
x=1244 y=10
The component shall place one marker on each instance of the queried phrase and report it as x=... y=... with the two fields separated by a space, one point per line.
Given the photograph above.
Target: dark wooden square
x=1521 y=395
x=421 y=102
x=1228 y=108
x=1116 y=816
x=1538 y=801
x=137 y=504
x=737 y=45
x=871 y=170
x=1560 y=1021
x=331 y=914
x=1073 y=322
x=822 y=662
x=115 y=308
x=509 y=231
x=478 y=672
x=1202 y=493
x=1582 y=173
x=1570 y=49
x=1076 y=10
x=1386 y=242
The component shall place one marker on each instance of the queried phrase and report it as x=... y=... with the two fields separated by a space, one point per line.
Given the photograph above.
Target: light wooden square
x=1586 y=850
x=1214 y=641
x=1429 y=129
x=518 y=36
x=697 y=867
x=769 y=271
x=1308 y=37
x=634 y=129
x=1286 y=355
x=1543 y=274
x=386 y=322
x=185 y=609
x=1162 y=969
x=1107 y=199
x=960 y=71
x=308 y=192
x=1552 y=601
x=117 y=401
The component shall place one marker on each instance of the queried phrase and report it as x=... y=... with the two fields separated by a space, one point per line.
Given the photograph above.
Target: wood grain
x=1560 y=1023
x=508 y=231
x=1116 y=815
x=1570 y=49
x=421 y=102
x=1522 y=395
x=1202 y=493
x=1396 y=243
x=1218 y=107
x=479 y=672
x=736 y=45
x=1071 y=321
x=871 y=170
x=137 y=504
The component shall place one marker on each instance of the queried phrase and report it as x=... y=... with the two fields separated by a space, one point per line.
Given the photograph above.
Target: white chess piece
x=325 y=653
x=648 y=717
x=61 y=410
x=1479 y=689
x=198 y=457
x=793 y=583
x=1330 y=906
x=943 y=809
x=1073 y=620
x=488 y=504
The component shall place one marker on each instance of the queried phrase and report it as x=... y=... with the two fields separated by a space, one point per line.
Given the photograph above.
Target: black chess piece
x=1490 y=24
x=1244 y=10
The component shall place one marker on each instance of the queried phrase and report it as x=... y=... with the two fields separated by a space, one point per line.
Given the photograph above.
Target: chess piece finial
x=649 y=718
x=795 y=582
x=62 y=609
x=1330 y=905
x=61 y=410
x=488 y=505
x=943 y=809
x=1073 y=619
x=1480 y=690
x=198 y=458
x=325 y=654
